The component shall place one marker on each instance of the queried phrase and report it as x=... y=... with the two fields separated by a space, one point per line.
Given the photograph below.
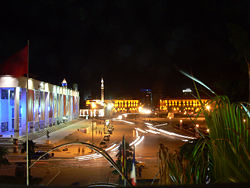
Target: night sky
x=132 y=44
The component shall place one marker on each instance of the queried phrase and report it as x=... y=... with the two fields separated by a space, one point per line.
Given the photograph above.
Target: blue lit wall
x=7 y=111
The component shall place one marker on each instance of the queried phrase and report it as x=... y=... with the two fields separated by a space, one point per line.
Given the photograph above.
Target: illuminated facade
x=48 y=105
x=125 y=106
x=181 y=104
x=97 y=108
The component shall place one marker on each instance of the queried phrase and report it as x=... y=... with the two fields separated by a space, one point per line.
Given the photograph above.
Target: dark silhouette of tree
x=3 y=154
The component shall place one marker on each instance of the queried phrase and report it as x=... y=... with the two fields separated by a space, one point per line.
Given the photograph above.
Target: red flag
x=133 y=172
x=17 y=64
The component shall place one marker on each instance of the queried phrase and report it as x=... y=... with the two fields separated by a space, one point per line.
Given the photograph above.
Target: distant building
x=48 y=105
x=181 y=104
x=95 y=108
x=147 y=98
x=102 y=107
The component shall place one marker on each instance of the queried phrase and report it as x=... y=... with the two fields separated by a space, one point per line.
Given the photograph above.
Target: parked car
x=110 y=131
x=40 y=153
x=103 y=144
x=106 y=138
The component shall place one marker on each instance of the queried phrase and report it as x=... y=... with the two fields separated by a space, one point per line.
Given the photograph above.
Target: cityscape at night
x=124 y=93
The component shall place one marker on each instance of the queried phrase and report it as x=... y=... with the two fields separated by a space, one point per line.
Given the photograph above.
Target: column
x=46 y=109
x=16 y=112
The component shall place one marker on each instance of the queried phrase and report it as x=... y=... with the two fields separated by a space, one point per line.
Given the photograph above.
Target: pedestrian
x=47 y=134
x=139 y=170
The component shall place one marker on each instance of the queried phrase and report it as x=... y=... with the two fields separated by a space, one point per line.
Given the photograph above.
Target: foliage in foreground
x=220 y=157
x=3 y=154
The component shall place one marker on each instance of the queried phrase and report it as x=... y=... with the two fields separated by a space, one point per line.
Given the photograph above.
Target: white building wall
x=42 y=100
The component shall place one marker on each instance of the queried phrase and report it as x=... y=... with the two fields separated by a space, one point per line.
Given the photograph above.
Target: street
x=79 y=165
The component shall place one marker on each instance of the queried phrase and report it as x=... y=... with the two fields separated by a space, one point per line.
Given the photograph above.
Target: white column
x=46 y=109
x=16 y=112
x=9 y=113
x=22 y=101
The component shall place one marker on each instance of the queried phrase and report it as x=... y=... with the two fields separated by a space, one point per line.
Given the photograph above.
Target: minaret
x=102 y=90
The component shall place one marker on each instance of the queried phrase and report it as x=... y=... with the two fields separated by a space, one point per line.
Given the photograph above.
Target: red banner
x=30 y=105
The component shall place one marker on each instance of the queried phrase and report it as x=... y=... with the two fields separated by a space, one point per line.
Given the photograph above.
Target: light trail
x=140 y=130
x=137 y=143
x=127 y=122
x=175 y=134
x=169 y=133
x=95 y=155
x=151 y=131
x=160 y=125
x=116 y=148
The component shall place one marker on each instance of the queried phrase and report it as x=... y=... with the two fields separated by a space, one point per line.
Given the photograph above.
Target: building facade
x=47 y=105
x=96 y=108
x=125 y=106
x=171 y=105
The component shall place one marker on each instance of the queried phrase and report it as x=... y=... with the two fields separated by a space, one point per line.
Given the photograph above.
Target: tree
x=3 y=154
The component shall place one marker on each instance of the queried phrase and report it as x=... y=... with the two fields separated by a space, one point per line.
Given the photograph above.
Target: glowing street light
x=110 y=106
x=208 y=107
x=93 y=105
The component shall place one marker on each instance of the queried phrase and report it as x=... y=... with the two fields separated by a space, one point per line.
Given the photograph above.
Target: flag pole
x=27 y=130
x=124 y=158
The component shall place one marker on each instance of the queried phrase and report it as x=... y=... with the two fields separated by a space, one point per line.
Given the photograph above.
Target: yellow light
x=110 y=106
x=208 y=130
x=181 y=121
x=208 y=107
x=244 y=120
x=93 y=105
x=197 y=125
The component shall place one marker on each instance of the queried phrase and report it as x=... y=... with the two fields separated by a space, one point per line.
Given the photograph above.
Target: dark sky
x=132 y=44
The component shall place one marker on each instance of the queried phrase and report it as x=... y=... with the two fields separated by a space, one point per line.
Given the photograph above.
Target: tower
x=102 y=90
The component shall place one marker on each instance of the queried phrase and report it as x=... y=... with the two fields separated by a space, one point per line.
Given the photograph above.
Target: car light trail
x=116 y=148
x=110 y=147
x=151 y=131
x=148 y=124
x=175 y=134
x=94 y=156
x=140 y=130
x=170 y=133
x=160 y=125
x=136 y=140
x=127 y=122
x=142 y=138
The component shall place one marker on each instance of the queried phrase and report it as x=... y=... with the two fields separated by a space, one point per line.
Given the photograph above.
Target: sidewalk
x=38 y=134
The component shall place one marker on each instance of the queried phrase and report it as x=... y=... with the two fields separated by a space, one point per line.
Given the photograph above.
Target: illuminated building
x=147 y=99
x=99 y=108
x=48 y=105
x=125 y=106
x=181 y=104
x=95 y=107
